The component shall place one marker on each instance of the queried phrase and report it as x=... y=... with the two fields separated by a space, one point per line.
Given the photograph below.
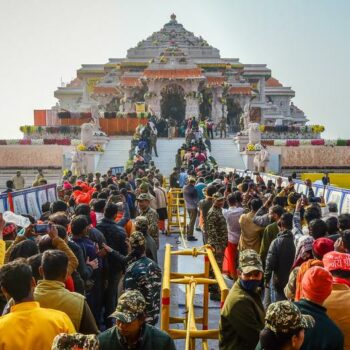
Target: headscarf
x=303 y=251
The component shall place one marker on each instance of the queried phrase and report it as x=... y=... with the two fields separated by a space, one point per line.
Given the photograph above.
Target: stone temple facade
x=179 y=75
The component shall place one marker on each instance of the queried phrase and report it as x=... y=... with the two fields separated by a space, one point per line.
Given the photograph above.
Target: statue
x=244 y=119
x=264 y=159
x=261 y=160
x=87 y=134
x=77 y=166
x=254 y=133
x=96 y=112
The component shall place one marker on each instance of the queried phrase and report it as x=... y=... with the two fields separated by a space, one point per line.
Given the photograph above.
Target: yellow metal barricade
x=190 y=332
x=177 y=213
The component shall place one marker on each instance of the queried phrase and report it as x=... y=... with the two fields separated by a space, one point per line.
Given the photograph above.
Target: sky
x=304 y=43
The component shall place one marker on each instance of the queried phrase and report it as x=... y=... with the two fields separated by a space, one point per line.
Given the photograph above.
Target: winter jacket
x=279 y=261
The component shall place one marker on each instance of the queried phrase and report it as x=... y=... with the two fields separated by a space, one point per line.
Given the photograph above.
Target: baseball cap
x=137 y=239
x=249 y=260
x=131 y=304
x=141 y=223
x=144 y=197
x=218 y=196
x=284 y=316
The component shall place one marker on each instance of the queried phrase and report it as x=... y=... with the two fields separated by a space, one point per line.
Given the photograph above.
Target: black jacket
x=280 y=258
x=115 y=236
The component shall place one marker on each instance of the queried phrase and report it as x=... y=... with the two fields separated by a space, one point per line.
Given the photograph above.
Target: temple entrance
x=234 y=112
x=173 y=103
x=205 y=106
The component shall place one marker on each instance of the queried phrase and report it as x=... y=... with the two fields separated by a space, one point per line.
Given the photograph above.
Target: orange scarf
x=303 y=268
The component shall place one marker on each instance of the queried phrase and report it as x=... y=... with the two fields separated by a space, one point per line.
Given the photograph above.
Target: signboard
x=336 y=197
x=140 y=107
x=117 y=170
x=345 y=206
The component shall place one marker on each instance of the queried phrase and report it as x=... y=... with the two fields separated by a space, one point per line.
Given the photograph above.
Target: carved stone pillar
x=216 y=112
x=192 y=107
x=262 y=95
x=128 y=105
x=153 y=98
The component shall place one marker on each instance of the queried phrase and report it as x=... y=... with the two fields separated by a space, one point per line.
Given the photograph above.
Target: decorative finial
x=173 y=17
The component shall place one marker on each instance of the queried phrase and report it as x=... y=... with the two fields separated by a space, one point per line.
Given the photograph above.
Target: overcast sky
x=304 y=43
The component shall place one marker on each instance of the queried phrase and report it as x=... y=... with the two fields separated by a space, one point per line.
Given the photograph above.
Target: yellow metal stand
x=190 y=332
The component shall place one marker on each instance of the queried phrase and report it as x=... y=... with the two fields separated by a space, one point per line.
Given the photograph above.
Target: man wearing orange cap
x=338 y=303
x=316 y=287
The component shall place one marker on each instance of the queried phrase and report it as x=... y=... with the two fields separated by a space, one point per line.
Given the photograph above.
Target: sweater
x=53 y=295
x=242 y=319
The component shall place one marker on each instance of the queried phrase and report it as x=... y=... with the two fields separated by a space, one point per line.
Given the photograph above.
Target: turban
x=322 y=246
x=316 y=284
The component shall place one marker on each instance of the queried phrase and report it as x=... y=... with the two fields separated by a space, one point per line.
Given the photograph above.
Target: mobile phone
x=42 y=229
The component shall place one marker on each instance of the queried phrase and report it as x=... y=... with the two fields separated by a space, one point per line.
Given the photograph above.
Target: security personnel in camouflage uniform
x=217 y=237
x=131 y=331
x=65 y=341
x=152 y=216
x=141 y=224
x=284 y=317
x=144 y=275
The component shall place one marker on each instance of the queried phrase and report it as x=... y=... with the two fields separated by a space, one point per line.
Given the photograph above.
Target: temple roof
x=272 y=82
x=173 y=34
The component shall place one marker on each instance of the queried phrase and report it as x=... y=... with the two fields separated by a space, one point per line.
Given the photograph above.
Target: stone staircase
x=115 y=154
x=166 y=151
x=226 y=154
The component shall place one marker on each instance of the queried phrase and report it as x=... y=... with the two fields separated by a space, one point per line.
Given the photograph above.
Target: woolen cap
x=316 y=285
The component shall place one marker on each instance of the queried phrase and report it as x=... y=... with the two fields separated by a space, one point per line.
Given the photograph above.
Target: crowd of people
x=86 y=272
x=86 y=275
x=287 y=253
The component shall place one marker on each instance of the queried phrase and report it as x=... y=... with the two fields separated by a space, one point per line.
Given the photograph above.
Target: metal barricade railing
x=190 y=332
x=177 y=213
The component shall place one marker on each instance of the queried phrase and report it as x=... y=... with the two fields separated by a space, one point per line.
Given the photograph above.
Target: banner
x=30 y=200
x=3 y=202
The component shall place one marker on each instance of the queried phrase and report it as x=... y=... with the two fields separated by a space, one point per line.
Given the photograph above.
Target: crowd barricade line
x=341 y=196
x=190 y=332
x=29 y=200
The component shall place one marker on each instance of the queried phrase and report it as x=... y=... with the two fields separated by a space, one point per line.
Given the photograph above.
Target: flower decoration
x=250 y=147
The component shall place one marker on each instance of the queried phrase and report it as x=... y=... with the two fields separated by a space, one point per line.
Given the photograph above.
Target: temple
x=177 y=75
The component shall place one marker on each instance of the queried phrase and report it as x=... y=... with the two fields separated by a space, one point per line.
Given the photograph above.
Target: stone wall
x=32 y=156
x=313 y=156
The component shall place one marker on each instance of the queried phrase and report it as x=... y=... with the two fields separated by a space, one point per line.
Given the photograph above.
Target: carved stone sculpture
x=254 y=133
x=87 y=134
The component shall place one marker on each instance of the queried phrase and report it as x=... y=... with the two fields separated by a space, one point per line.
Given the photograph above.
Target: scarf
x=340 y=280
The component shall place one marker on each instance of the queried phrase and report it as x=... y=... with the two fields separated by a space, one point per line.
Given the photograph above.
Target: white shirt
x=232 y=216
